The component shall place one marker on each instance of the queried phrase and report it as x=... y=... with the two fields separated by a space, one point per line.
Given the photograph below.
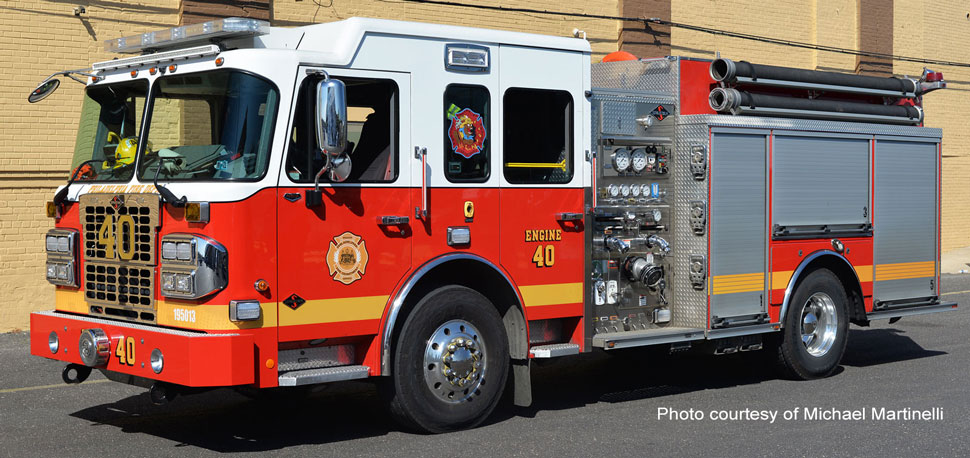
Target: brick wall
x=39 y=37
x=37 y=140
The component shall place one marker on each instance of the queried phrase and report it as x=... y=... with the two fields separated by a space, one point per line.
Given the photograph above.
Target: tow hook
x=162 y=393
x=75 y=373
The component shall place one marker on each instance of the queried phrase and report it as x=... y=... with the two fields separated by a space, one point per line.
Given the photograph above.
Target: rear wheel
x=816 y=327
x=450 y=363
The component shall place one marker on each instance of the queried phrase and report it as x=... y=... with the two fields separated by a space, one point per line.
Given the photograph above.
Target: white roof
x=342 y=38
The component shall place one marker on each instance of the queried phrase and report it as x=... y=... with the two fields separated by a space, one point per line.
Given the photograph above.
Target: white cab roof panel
x=341 y=39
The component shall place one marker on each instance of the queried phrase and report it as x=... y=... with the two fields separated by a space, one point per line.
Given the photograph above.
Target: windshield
x=209 y=126
x=107 y=137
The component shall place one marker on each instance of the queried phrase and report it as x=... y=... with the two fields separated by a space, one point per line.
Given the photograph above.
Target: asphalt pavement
x=627 y=403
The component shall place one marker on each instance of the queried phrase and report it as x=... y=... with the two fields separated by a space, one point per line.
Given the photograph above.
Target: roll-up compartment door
x=905 y=221
x=738 y=226
x=820 y=186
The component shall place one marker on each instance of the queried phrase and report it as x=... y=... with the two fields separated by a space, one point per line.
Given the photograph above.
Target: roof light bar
x=180 y=36
x=188 y=53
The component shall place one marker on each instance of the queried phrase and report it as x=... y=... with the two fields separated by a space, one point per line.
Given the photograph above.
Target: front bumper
x=191 y=358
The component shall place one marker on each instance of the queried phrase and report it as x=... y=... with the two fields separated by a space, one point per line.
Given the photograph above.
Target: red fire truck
x=436 y=206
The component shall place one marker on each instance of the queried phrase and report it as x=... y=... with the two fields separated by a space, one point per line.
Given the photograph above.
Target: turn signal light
x=197 y=212
x=51 y=209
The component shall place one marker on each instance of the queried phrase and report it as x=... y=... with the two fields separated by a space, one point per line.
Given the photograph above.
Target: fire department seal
x=347 y=258
x=467 y=133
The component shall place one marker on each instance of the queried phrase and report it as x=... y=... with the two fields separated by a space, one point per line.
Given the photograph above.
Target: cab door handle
x=393 y=220
x=565 y=216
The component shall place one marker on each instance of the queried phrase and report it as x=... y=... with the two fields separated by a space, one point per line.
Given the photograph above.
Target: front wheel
x=450 y=363
x=816 y=327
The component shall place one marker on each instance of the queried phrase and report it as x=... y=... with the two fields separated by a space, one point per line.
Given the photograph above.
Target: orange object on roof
x=618 y=56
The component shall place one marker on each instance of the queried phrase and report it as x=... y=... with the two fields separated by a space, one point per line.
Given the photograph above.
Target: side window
x=466 y=139
x=372 y=132
x=538 y=144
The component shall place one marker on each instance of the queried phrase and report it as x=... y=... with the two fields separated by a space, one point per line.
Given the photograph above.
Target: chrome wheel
x=454 y=362
x=819 y=324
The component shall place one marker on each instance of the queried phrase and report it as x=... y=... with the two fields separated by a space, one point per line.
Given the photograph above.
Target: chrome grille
x=119 y=254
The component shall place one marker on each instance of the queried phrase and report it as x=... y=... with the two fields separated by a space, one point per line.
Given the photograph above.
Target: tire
x=459 y=323
x=816 y=327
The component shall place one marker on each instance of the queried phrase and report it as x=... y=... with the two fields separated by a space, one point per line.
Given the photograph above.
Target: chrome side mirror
x=43 y=90
x=331 y=130
x=331 y=122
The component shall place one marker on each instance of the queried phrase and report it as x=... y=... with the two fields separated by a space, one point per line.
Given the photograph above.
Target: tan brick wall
x=38 y=38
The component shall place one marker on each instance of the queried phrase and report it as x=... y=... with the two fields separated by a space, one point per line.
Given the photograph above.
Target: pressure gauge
x=614 y=190
x=635 y=191
x=638 y=159
x=651 y=160
x=625 y=190
x=656 y=215
x=645 y=190
x=621 y=160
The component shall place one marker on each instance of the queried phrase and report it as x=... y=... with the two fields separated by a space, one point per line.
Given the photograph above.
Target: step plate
x=323 y=375
x=554 y=350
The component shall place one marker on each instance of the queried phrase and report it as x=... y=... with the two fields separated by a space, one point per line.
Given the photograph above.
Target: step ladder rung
x=323 y=375
x=554 y=350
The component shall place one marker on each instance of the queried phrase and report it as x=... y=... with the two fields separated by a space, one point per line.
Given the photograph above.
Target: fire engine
x=436 y=206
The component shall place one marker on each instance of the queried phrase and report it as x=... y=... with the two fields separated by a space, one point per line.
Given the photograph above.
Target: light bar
x=180 y=36
x=198 y=51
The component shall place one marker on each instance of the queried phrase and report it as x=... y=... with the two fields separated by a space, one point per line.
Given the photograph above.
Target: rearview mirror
x=43 y=90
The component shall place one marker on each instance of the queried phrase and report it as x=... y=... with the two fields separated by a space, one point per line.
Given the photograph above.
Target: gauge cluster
x=634 y=175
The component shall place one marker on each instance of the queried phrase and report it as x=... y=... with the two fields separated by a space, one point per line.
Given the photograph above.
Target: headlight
x=192 y=266
x=183 y=283
x=61 y=256
x=168 y=250
x=168 y=282
x=183 y=251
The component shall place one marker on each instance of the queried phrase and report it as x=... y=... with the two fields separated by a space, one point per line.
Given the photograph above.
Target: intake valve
x=642 y=270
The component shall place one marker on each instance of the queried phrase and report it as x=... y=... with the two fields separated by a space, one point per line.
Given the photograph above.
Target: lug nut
x=452 y=348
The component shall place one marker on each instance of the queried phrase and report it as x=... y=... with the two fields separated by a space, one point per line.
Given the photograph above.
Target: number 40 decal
x=545 y=256
x=125 y=351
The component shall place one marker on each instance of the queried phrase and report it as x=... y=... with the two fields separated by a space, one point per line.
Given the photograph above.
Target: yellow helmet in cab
x=125 y=152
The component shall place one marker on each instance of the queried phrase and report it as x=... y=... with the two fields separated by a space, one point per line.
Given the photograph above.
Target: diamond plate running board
x=323 y=375
x=554 y=350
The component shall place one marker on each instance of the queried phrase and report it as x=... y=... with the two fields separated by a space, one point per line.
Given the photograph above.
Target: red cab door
x=339 y=262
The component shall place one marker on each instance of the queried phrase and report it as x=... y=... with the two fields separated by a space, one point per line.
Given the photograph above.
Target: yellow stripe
x=864 y=273
x=738 y=283
x=213 y=317
x=209 y=316
x=904 y=270
x=216 y=316
x=334 y=310
x=67 y=300
x=780 y=279
x=558 y=293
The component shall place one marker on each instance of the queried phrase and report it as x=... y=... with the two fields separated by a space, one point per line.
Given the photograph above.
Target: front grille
x=119 y=254
x=125 y=285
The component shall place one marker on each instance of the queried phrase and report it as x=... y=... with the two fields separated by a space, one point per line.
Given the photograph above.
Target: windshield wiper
x=167 y=196
x=62 y=194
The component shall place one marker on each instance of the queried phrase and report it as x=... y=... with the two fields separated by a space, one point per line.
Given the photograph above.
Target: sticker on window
x=467 y=131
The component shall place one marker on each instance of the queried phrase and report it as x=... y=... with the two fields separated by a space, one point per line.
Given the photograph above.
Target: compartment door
x=905 y=219
x=738 y=226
